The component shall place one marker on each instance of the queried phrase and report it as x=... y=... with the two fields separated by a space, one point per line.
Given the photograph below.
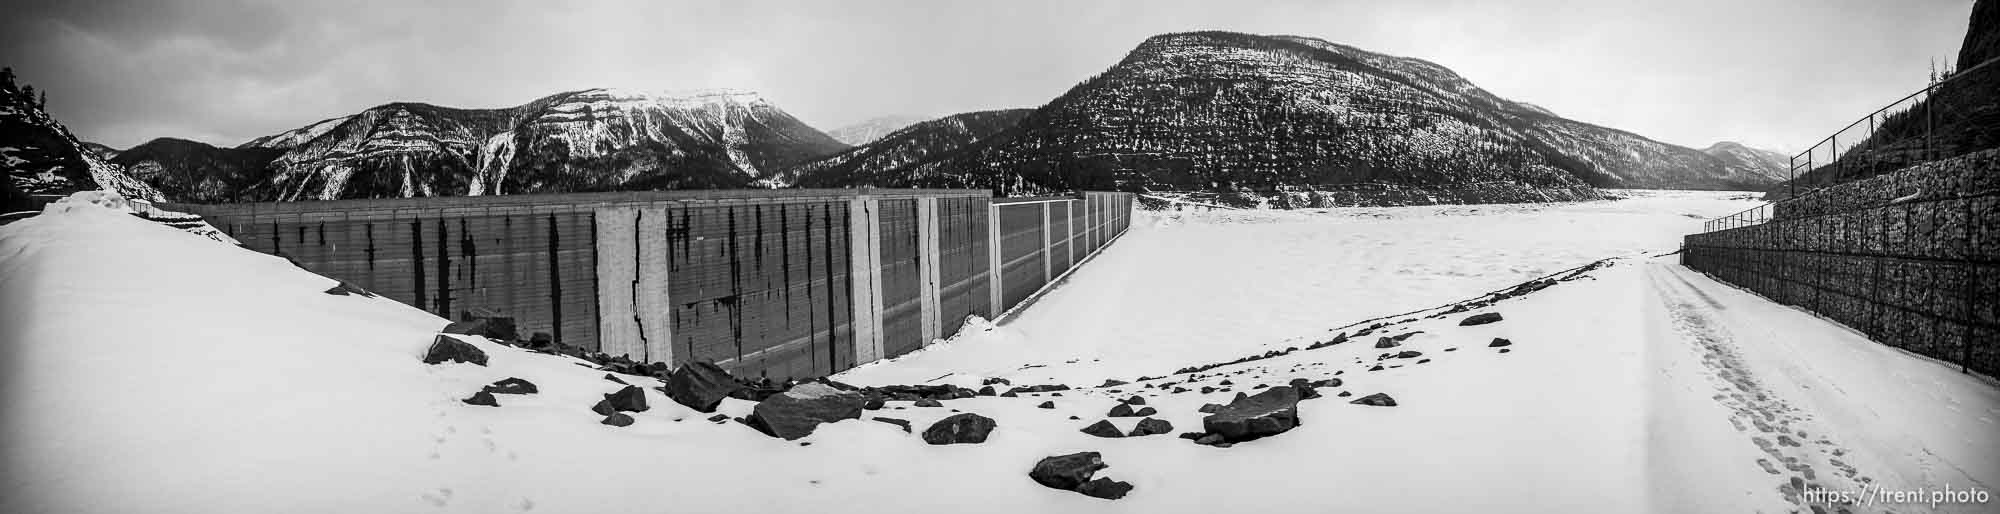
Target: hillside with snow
x=39 y=156
x=915 y=143
x=152 y=370
x=1289 y=115
x=872 y=129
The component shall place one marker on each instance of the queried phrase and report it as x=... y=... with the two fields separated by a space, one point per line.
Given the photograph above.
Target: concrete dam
x=774 y=283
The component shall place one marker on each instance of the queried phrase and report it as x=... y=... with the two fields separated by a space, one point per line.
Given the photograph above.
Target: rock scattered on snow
x=1105 y=488
x=1409 y=354
x=1113 y=383
x=1479 y=319
x=1377 y=399
x=482 y=398
x=497 y=328
x=718 y=418
x=1307 y=390
x=1499 y=342
x=1151 y=426
x=618 y=419
x=794 y=413
x=898 y=422
x=1209 y=408
x=987 y=391
x=628 y=399
x=1505 y=350
x=343 y=288
x=1047 y=405
x=1386 y=343
x=511 y=385
x=1067 y=472
x=1136 y=400
x=964 y=428
x=1103 y=428
x=1122 y=410
x=700 y=386
x=614 y=378
x=927 y=402
x=447 y=348
x=1268 y=413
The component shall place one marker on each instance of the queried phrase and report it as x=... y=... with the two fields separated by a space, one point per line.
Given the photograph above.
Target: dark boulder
x=718 y=418
x=628 y=399
x=1122 y=410
x=511 y=385
x=1505 y=350
x=1191 y=435
x=497 y=328
x=964 y=428
x=482 y=398
x=1409 y=354
x=447 y=348
x=1151 y=426
x=987 y=391
x=874 y=402
x=1067 y=472
x=927 y=402
x=614 y=378
x=1103 y=428
x=1009 y=394
x=898 y=422
x=1268 y=413
x=1307 y=390
x=1136 y=400
x=618 y=419
x=1047 y=405
x=700 y=385
x=1377 y=399
x=1499 y=342
x=992 y=381
x=1113 y=383
x=794 y=413
x=1105 y=488
x=1387 y=343
x=1479 y=319
x=1344 y=394
x=1209 y=439
x=344 y=288
x=1209 y=408
x=541 y=340
x=1145 y=411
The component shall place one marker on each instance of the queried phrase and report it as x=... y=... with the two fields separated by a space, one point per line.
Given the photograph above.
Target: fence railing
x=1947 y=118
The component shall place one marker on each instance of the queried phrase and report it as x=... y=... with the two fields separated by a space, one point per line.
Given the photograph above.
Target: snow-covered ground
x=147 y=369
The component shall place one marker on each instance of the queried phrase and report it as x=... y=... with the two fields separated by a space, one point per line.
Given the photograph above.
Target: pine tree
x=43 y=102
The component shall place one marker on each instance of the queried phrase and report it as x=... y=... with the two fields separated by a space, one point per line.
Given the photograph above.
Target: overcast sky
x=1777 y=74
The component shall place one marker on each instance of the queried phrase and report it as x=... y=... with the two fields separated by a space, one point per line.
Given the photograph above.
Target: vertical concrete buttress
x=865 y=245
x=928 y=258
x=993 y=285
x=617 y=275
x=655 y=309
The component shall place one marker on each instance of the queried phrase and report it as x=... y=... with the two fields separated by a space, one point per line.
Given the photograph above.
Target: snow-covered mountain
x=293 y=138
x=191 y=171
x=913 y=143
x=1219 y=110
x=1750 y=161
x=39 y=156
x=872 y=129
x=592 y=140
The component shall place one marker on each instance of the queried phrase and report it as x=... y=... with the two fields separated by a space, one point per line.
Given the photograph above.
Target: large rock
x=1122 y=410
x=1479 y=319
x=964 y=428
x=629 y=399
x=618 y=419
x=794 y=413
x=482 y=398
x=1151 y=426
x=1267 y=413
x=1067 y=472
x=700 y=386
x=1377 y=399
x=497 y=328
x=1105 y=488
x=511 y=385
x=1103 y=428
x=1499 y=342
x=449 y=349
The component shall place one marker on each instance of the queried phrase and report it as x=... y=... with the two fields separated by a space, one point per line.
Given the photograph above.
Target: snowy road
x=1826 y=408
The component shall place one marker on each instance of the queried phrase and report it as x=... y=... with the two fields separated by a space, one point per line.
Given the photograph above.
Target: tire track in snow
x=1770 y=422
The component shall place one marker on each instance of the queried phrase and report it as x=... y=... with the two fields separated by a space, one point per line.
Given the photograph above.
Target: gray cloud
x=1775 y=74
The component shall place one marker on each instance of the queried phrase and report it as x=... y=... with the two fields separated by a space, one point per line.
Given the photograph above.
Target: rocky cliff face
x=1227 y=111
x=40 y=157
x=593 y=140
x=864 y=164
x=872 y=129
